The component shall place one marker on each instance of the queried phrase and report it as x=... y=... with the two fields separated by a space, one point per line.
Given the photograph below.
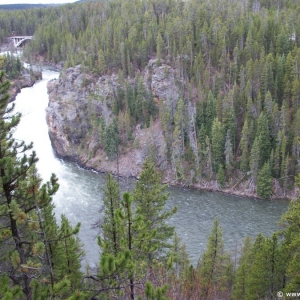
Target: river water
x=80 y=193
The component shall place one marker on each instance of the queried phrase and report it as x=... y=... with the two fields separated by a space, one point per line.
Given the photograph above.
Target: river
x=80 y=192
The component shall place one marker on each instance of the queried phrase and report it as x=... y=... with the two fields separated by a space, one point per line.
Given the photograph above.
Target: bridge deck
x=20 y=37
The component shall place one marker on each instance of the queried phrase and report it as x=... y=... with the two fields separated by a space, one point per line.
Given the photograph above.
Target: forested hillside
x=233 y=117
x=236 y=65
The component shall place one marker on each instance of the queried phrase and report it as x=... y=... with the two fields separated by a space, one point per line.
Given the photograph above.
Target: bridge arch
x=19 y=40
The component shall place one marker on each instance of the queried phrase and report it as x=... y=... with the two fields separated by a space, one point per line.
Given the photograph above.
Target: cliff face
x=77 y=103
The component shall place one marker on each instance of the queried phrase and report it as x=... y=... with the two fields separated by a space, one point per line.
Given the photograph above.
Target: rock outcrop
x=80 y=102
x=77 y=101
x=26 y=79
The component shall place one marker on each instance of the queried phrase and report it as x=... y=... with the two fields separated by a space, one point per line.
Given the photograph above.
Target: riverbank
x=240 y=190
x=26 y=79
x=20 y=79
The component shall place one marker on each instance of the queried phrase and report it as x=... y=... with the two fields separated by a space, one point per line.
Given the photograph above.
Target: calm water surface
x=80 y=193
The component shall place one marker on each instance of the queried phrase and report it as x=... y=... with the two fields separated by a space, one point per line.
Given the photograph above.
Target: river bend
x=80 y=193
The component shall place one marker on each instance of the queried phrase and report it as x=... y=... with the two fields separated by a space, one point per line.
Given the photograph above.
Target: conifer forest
x=235 y=123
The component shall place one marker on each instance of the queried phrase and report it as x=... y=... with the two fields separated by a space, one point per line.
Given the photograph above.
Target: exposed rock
x=161 y=80
x=26 y=79
x=78 y=100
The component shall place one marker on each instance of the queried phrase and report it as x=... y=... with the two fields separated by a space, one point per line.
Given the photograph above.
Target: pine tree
x=215 y=266
x=179 y=257
x=101 y=62
x=256 y=280
x=245 y=141
x=111 y=140
x=210 y=113
x=13 y=172
x=263 y=133
x=240 y=284
x=264 y=181
x=139 y=101
x=266 y=262
x=255 y=159
x=291 y=233
x=117 y=265
x=178 y=144
x=72 y=253
x=150 y=197
x=217 y=144
x=26 y=237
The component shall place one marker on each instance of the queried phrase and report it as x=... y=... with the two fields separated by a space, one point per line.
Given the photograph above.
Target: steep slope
x=80 y=102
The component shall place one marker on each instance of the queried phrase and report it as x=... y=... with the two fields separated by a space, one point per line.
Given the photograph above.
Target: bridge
x=19 y=40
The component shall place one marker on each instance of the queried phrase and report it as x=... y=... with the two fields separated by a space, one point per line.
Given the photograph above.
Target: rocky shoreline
x=26 y=79
x=211 y=186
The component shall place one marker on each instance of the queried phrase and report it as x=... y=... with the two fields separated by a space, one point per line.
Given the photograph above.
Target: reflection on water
x=80 y=193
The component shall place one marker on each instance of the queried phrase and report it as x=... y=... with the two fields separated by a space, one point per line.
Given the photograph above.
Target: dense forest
x=236 y=66
x=141 y=255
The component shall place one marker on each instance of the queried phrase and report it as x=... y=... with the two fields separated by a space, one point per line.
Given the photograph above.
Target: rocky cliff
x=81 y=104
x=78 y=101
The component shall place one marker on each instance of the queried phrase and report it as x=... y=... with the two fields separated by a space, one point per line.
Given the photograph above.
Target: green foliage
x=264 y=181
x=8 y=292
x=217 y=144
x=30 y=256
x=261 y=272
x=150 y=197
x=11 y=65
x=291 y=233
x=111 y=140
x=229 y=70
x=215 y=266
x=152 y=293
x=111 y=226
x=135 y=234
x=221 y=176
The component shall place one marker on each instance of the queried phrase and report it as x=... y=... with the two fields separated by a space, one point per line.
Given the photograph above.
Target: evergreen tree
x=25 y=201
x=245 y=141
x=263 y=133
x=215 y=266
x=159 y=48
x=72 y=253
x=217 y=144
x=150 y=197
x=240 y=284
x=111 y=140
x=15 y=206
x=266 y=268
x=264 y=181
x=291 y=234
x=112 y=230
x=178 y=144
x=254 y=159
